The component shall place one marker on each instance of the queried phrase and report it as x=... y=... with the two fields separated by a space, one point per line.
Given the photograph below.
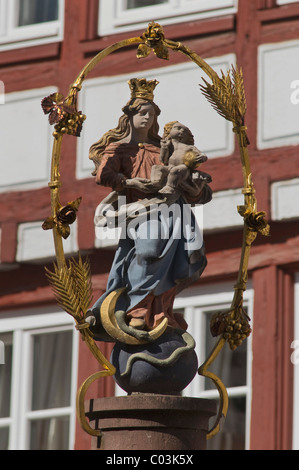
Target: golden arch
x=226 y=94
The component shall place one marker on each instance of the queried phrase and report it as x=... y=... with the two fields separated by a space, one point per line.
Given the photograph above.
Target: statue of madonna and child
x=160 y=250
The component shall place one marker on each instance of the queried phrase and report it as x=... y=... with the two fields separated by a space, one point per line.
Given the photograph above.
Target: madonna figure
x=151 y=265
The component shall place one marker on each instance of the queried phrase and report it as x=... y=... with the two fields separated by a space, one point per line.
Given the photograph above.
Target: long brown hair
x=123 y=130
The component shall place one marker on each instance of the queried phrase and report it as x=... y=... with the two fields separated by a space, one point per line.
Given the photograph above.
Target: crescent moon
x=111 y=326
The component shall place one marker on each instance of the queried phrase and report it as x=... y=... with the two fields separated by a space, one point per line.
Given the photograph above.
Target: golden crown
x=142 y=88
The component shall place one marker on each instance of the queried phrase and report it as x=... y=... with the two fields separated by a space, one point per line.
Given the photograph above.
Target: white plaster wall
x=179 y=97
x=25 y=141
x=35 y=243
x=278 y=117
x=283 y=2
x=222 y=211
x=284 y=199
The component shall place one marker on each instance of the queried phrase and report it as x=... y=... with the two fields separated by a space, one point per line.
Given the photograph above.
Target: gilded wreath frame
x=71 y=281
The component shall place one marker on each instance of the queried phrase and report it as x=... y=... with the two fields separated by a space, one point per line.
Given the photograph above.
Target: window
x=232 y=367
x=34 y=12
x=30 y=22
x=38 y=382
x=125 y=15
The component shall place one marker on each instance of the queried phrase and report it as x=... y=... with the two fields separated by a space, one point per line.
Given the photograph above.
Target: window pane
x=229 y=366
x=232 y=435
x=4 y=433
x=52 y=357
x=5 y=375
x=37 y=11
x=143 y=3
x=50 y=434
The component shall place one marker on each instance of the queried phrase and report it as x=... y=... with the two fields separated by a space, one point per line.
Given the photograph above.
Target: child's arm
x=165 y=151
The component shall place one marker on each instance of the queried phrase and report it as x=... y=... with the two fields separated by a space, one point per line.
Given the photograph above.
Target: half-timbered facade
x=43 y=46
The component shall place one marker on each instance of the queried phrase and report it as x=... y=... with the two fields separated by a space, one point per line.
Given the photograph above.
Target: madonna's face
x=144 y=119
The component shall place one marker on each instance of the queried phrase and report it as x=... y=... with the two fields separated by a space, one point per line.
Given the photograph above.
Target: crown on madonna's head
x=142 y=88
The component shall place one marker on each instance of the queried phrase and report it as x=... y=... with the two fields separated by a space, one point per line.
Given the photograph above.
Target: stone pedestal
x=150 y=422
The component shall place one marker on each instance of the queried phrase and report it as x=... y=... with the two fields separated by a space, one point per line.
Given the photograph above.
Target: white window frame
x=196 y=302
x=23 y=326
x=13 y=36
x=114 y=18
x=284 y=2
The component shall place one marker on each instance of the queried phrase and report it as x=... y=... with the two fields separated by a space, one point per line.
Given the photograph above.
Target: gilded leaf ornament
x=72 y=287
x=154 y=40
x=63 y=113
x=64 y=217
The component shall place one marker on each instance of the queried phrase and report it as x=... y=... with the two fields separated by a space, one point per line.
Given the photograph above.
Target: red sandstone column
x=150 y=422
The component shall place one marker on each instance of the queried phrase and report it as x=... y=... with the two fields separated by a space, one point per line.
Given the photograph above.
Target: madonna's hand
x=143 y=184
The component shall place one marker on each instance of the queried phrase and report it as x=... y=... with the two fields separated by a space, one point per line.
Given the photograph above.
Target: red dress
x=122 y=161
x=152 y=286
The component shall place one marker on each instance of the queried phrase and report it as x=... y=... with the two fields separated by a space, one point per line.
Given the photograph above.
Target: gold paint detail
x=63 y=113
x=142 y=88
x=73 y=291
x=111 y=326
x=81 y=399
x=64 y=217
x=72 y=287
x=154 y=39
x=223 y=395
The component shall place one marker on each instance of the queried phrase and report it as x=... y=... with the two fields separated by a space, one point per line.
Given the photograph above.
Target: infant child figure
x=180 y=157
